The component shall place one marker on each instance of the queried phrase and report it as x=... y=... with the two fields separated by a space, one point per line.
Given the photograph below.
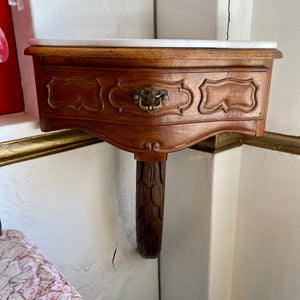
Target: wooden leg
x=150 y=194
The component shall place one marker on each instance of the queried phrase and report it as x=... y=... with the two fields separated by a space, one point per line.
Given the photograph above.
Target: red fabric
x=3 y=47
x=11 y=99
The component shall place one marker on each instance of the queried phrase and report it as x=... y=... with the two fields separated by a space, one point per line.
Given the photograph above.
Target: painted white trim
x=225 y=196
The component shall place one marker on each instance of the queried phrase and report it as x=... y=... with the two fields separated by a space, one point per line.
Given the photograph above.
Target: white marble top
x=165 y=43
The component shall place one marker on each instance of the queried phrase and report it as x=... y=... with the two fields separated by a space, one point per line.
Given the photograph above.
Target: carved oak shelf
x=151 y=101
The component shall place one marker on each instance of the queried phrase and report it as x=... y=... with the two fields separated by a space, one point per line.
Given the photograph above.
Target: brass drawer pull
x=150 y=99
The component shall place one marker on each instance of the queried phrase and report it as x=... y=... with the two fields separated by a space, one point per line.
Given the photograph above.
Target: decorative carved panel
x=75 y=93
x=228 y=94
x=179 y=99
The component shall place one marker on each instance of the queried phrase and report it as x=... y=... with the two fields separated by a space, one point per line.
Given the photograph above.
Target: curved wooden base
x=150 y=194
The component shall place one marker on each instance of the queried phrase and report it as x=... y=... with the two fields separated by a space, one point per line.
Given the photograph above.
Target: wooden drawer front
x=168 y=97
x=178 y=97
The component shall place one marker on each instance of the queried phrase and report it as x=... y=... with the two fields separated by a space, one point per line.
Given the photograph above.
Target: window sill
x=18 y=125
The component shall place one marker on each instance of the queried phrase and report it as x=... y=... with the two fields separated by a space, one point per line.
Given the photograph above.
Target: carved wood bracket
x=152 y=101
x=150 y=194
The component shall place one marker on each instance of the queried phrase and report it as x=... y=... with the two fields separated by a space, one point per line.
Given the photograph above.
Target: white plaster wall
x=78 y=206
x=240 y=19
x=76 y=19
x=266 y=257
x=280 y=21
x=192 y=19
x=267 y=261
x=225 y=194
x=199 y=225
x=187 y=226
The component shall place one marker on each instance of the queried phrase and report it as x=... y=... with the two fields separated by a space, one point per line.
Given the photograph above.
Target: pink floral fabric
x=25 y=273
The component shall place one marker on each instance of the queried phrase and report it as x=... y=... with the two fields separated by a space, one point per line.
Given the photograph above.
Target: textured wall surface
x=192 y=19
x=267 y=245
x=225 y=194
x=280 y=21
x=199 y=230
x=76 y=19
x=266 y=260
x=78 y=207
x=187 y=228
x=240 y=18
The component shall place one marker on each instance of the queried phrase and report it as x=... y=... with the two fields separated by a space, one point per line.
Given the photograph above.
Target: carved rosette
x=163 y=97
x=75 y=93
x=151 y=146
x=228 y=94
